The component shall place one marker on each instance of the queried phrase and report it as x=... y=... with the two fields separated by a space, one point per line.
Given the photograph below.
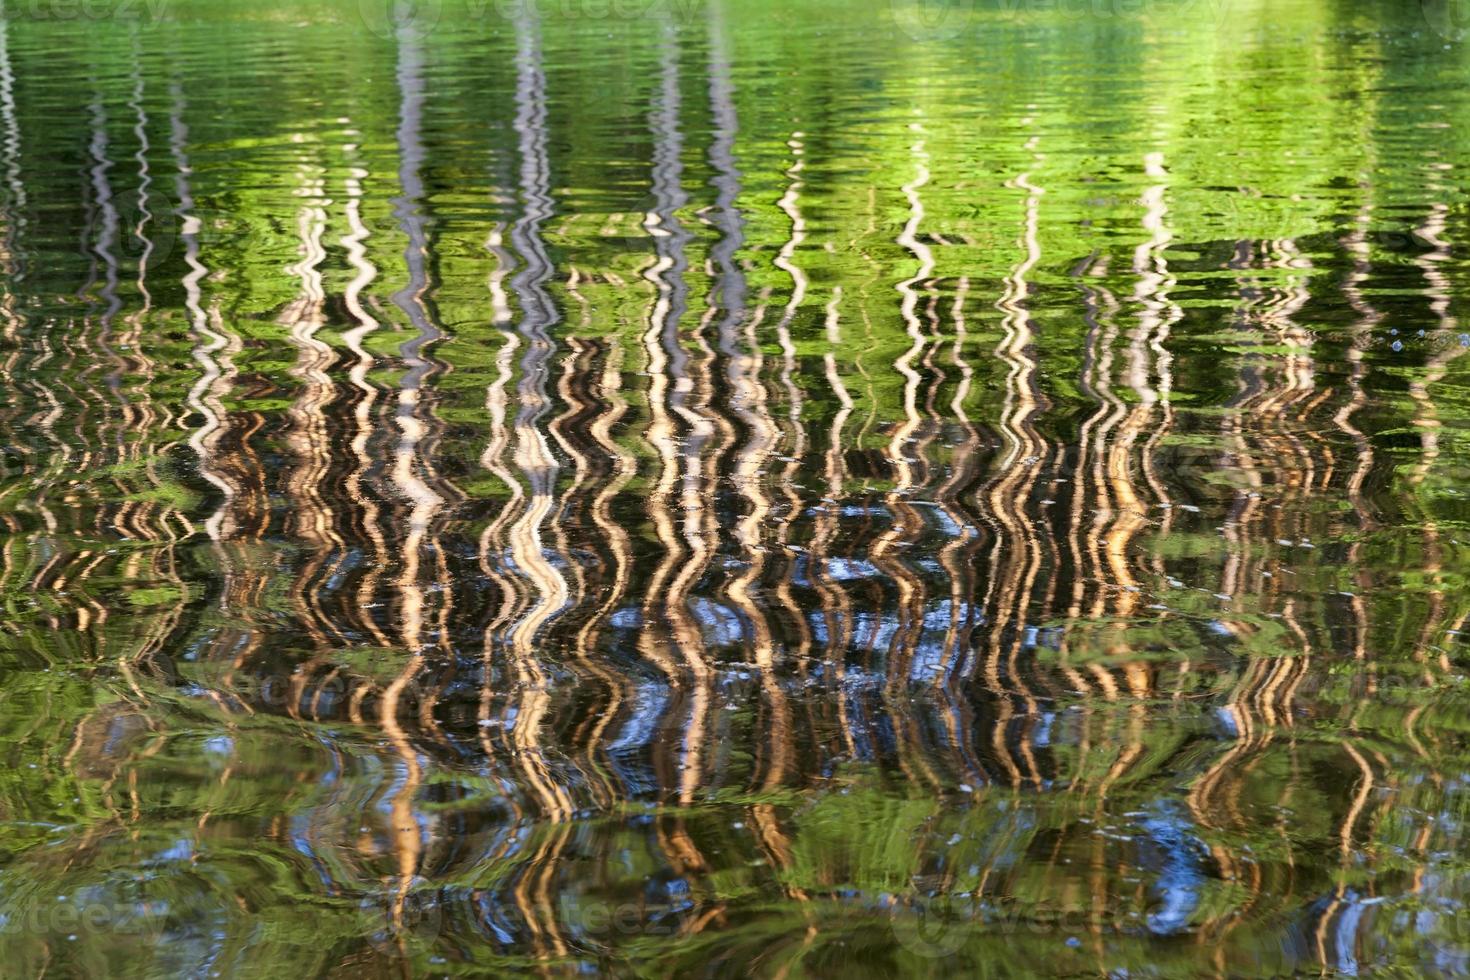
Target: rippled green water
x=701 y=488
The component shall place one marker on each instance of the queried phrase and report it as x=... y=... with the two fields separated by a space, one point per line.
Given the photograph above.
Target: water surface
x=707 y=488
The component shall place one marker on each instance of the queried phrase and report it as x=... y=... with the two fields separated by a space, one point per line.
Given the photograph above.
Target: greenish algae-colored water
x=687 y=488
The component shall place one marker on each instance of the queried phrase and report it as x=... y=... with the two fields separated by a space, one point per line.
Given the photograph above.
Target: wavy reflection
x=567 y=503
